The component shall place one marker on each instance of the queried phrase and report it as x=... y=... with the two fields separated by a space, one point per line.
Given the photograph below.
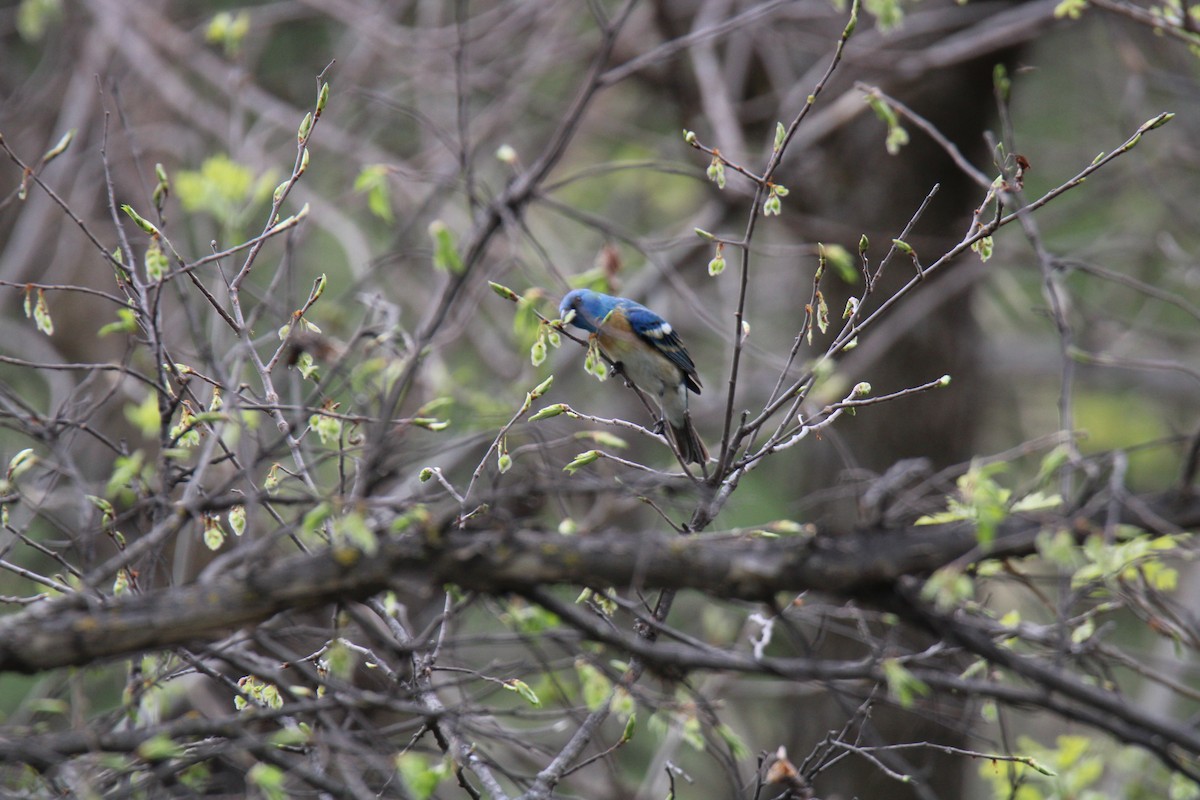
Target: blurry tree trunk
x=840 y=182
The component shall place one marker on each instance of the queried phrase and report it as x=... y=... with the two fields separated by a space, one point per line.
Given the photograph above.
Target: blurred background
x=436 y=105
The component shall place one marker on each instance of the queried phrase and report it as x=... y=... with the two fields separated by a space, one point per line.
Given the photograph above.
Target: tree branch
x=77 y=630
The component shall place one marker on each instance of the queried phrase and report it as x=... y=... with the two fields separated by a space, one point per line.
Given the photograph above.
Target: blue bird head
x=589 y=307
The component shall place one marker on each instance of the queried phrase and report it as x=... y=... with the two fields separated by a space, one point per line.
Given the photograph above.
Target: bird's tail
x=690 y=445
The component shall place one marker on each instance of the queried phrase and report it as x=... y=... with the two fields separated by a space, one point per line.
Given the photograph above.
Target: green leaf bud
x=504 y=291
x=542 y=388
x=582 y=460
x=305 y=128
x=322 y=98
x=59 y=148
x=141 y=222
x=549 y=411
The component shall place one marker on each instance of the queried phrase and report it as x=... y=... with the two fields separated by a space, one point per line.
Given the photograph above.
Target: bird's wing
x=658 y=333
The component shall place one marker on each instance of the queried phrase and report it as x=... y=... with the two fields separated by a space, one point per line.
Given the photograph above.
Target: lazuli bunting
x=648 y=352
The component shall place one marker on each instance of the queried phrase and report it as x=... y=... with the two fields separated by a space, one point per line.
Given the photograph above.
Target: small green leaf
x=504 y=291
x=1157 y=122
x=39 y=310
x=308 y=367
x=156 y=261
x=421 y=779
x=185 y=434
x=1070 y=9
x=291 y=736
x=214 y=535
x=34 y=17
x=445 y=256
x=503 y=459
x=122 y=582
x=269 y=779
x=126 y=323
x=948 y=588
x=271 y=482
x=59 y=148
x=897 y=137
x=1051 y=463
x=293 y=220
x=373 y=179
x=736 y=746
x=780 y=135
x=903 y=686
x=772 y=206
x=237 y=520
x=582 y=460
x=605 y=439
x=550 y=411
x=522 y=688
x=1001 y=81
x=159 y=748
x=716 y=171
x=141 y=222
x=228 y=30
x=328 y=429
x=340 y=659
x=717 y=265
x=145 y=416
x=1181 y=787
x=105 y=507
x=162 y=188
x=322 y=98
x=852 y=23
x=19 y=464
x=541 y=388
x=302 y=133
x=983 y=247
x=47 y=705
x=225 y=189
x=630 y=728
x=537 y=352
x=842 y=262
x=596 y=686
x=888 y=13
x=594 y=364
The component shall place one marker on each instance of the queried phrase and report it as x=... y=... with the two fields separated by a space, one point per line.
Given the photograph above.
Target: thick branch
x=77 y=630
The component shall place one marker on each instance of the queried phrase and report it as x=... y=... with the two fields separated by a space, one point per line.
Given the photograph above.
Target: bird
x=648 y=352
